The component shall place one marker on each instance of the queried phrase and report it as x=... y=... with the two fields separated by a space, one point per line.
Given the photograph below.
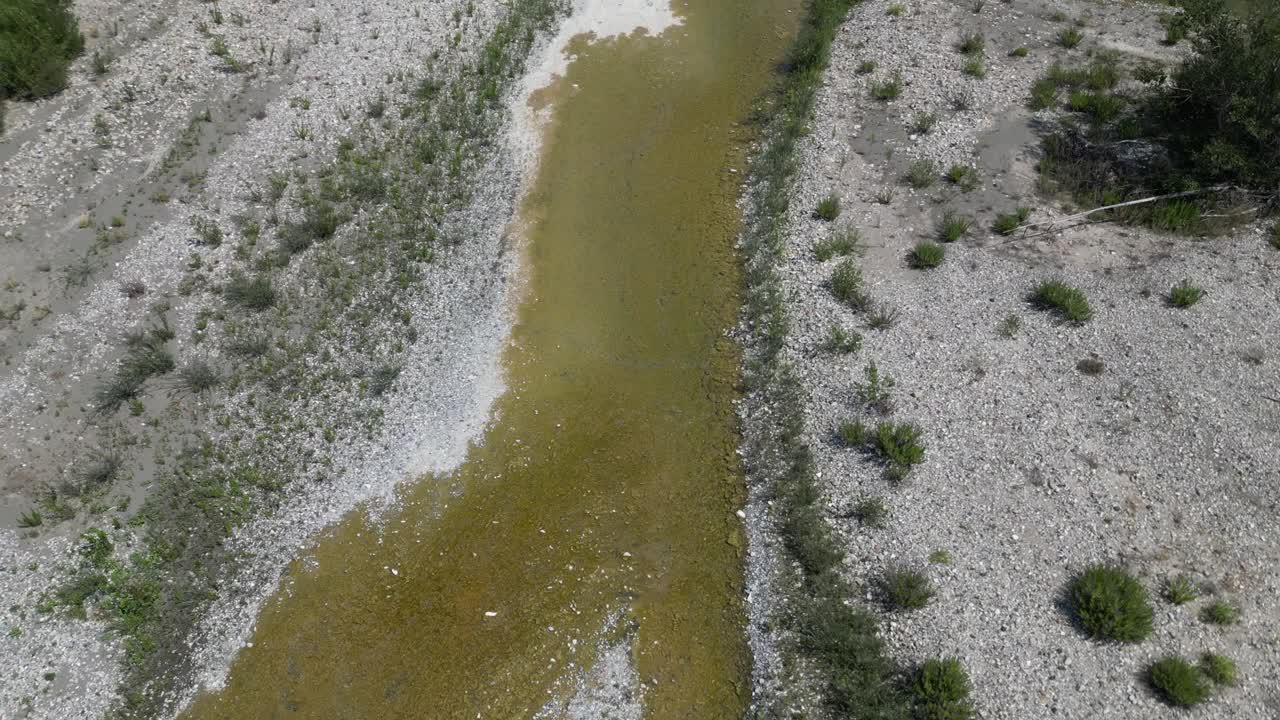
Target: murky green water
x=608 y=484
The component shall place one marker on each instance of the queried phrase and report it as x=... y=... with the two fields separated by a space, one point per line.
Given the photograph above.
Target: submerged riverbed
x=601 y=500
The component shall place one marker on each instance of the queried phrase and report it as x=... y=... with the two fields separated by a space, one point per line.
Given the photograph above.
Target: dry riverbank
x=1145 y=437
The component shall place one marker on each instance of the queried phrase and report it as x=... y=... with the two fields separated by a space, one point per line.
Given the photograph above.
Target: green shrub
x=866 y=67
x=845 y=241
x=1010 y=326
x=872 y=512
x=905 y=588
x=198 y=377
x=1018 y=52
x=841 y=341
x=888 y=90
x=1069 y=38
x=846 y=285
x=1110 y=604
x=974 y=67
x=965 y=176
x=899 y=446
x=1219 y=668
x=882 y=317
x=953 y=226
x=940 y=557
x=1180 y=590
x=974 y=43
x=853 y=433
x=1068 y=302
x=940 y=691
x=1044 y=93
x=922 y=173
x=30 y=519
x=1219 y=612
x=1184 y=294
x=250 y=293
x=828 y=208
x=896 y=10
x=38 y=40
x=1177 y=216
x=926 y=255
x=1178 y=682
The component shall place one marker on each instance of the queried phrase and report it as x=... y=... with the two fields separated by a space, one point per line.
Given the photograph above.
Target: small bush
x=1184 y=294
x=953 y=226
x=882 y=317
x=846 y=285
x=1044 y=94
x=940 y=691
x=1180 y=590
x=250 y=293
x=208 y=233
x=923 y=122
x=975 y=67
x=922 y=173
x=1178 y=216
x=38 y=40
x=828 y=208
x=926 y=255
x=972 y=43
x=1110 y=604
x=866 y=67
x=898 y=446
x=198 y=377
x=872 y=512
x=1220 y=613
x=1178 y=682
x=896 y=10
x=1018 y=52
x=844 y=242
x=1091 y=366
x=1010 y=326
x=905 y=588
x=964 y=176
x=1068 y=302
x=1219 y=668
x=853 y=433
x=841 y=341
x=30 y=519
x=1069 y=38
x=888 y=90
x=940 y=557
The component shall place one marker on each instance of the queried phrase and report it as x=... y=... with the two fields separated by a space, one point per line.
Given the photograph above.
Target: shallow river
x=601 y=501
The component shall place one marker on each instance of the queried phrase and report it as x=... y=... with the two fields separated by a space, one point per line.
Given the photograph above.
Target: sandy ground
x=1165 y=462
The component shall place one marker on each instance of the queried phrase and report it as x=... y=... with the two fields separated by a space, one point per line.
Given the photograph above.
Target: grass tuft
x=953 y=226
x=1179 y=590
x=1219 y=668
x=1178 y=681
x=828 y=208
x=1068 y=302
x=940 y=691
x=872 y=512
x=887 y=90
x=844 y=242
x=847 y=285
x=926 y=255
x=1220 y=612
x=899 y=446
x=38 y=40
x=923 y=122
x=1184 y=294
x=1110 y=604
x=841 y=341
x=1008 y=223
x=974 y=43
x=1069 y=38
x=250 y=293
x=922 y=173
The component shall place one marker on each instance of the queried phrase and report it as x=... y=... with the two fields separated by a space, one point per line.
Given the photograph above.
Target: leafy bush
x=846 y=285
x=38 y=39
x=1110 y=604
x=1018 y=52
x=1184 y=294
x=1179 y=682
x=926 y=255
x=972 y=43
x=1068 y=302
x=906 y=589
x=1219 y=612
x=899 y=445
x=828 y=208
x=1219 y=668
x=940 y=691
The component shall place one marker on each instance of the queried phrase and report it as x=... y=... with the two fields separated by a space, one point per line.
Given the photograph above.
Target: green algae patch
x=608 y=483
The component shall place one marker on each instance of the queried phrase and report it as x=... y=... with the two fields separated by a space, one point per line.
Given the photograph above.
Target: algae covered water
x=603 y=494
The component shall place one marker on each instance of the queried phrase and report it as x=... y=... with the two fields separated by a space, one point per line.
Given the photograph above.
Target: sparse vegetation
x=953 y=226
x=906 y=588
x=974 y=43
x=1179 y=590
x=1010 y=326
x=1067 y=302
x=1219 y=668
x=38 y=40
x=846 y=285
x=923 y=122
x=1184 y=294
x=30 y=519
x=882 y=317
x=896 y=10
x=887 y=90
x=877 y=392
x=1091 y=366
x=1069 y=37
x=940 y=691
x=828 y=208
x=940 y=557
x=899 y=446
x=843 y=242
x=922 y=173
x=198 y=377
x=974 y=66
x=926 y=255
x=1110 y=604
x=866 y=67
x=1178 y=681
x=1220 y=612
x=841 y=341
x=254 y=293
x=1018 y=52
x=872 y=512
x=1008 y=223
x=963 y=176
